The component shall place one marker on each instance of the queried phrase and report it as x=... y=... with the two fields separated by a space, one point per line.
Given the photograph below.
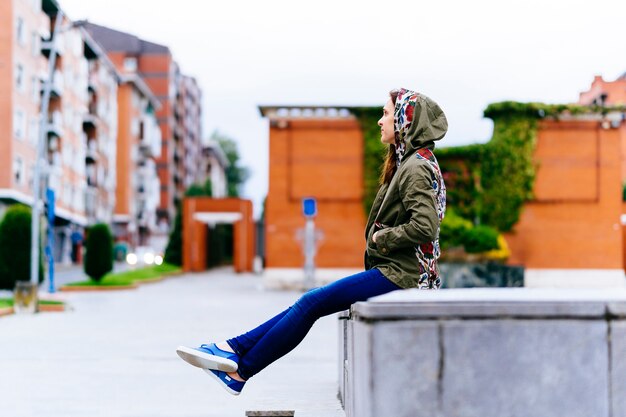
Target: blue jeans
x=278 y=336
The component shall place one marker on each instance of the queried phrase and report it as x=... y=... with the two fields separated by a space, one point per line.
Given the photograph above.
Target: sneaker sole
x=226 y=387
x=206 y=360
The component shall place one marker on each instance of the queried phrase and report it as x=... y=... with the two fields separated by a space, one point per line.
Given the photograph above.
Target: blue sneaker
x=209 y=357
x=231 y=385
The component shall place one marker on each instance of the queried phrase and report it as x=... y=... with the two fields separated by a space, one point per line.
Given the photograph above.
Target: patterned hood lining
x=418 y=121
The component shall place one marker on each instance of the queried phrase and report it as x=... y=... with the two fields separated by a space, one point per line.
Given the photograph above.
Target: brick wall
x=321 y=158
x=574 y=221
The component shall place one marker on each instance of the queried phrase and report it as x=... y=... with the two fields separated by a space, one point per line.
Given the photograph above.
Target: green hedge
x=15 y=241
x=98 y=259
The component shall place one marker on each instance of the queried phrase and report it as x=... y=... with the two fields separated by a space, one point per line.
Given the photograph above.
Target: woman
x=402 y=237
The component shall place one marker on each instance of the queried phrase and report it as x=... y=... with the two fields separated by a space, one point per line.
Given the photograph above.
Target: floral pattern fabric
x=428 y=253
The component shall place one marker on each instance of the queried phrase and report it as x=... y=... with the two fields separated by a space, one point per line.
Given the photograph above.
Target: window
x=130 y=64
x=19 y=78
x=35 y=89
x=31 y=176
x=33 y=130
x=19 y=124
x=18 y=170
x=34 y=43
x=19 y=31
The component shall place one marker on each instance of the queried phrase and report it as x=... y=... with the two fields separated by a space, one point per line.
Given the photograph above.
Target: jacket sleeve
x=418 y=198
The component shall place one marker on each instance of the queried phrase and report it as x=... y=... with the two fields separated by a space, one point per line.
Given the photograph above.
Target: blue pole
x=50 y=244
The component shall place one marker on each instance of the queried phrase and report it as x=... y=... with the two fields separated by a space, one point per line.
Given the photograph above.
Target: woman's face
x=386 y=124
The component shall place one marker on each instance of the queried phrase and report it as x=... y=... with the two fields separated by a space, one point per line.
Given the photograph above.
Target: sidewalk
x=114 y=354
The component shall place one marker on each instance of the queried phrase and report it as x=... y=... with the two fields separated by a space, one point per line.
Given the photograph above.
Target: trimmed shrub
x=480 y=239
x=453 y=230
x=15 y=240
x=99 y=251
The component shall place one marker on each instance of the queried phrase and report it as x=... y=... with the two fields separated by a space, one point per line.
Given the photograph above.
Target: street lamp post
x=41 y=165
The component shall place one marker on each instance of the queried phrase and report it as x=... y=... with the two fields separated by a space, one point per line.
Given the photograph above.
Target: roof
x=306 y=112
x=116 y=41
x=214 y=147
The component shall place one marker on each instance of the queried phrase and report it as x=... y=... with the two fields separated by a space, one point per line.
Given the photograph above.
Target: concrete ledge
x=485 y=353
x=293 y=278
x=574 y=278
x=494 y=303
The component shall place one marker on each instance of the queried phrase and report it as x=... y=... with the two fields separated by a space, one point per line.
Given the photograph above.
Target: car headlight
x=131 y=258
x=148 y=258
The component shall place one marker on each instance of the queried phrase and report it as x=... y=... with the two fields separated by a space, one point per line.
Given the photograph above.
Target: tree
x=235 y=174
x=99 y=251
x=15 y=240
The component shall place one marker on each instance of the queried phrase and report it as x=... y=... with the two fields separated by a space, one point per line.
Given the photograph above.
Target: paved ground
x=114 y=354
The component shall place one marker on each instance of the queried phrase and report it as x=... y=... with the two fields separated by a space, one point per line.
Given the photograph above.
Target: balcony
x=47 y=45
x=92 y=151
x=54 y=125
x=91 y=200
x=57 y=86
x=90 y=121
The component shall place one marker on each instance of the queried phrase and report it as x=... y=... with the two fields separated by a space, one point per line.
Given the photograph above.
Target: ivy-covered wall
x=373 y=151
x=487 y=184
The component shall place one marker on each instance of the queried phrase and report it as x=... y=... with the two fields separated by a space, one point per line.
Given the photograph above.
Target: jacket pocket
x=375 y=228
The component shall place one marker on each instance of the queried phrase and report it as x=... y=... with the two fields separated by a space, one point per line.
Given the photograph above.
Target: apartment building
x=178 y=116
x=187 y=135
x=214 y=164
x=79 y=127
x=22 y=66
x=605 y=93
x=139 y=145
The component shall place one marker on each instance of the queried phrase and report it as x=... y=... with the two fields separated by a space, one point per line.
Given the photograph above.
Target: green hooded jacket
x=408 y=211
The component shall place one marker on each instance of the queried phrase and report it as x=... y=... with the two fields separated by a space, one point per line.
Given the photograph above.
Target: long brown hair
x=389 y=166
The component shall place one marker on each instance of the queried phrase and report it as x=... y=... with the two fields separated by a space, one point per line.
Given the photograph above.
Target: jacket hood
x=418 y=122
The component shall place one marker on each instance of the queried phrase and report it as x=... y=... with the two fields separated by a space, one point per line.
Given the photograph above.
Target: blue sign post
x=309 y=209
x=50 y=244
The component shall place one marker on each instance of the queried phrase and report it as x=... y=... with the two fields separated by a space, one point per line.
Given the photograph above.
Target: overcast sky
x=464 y=54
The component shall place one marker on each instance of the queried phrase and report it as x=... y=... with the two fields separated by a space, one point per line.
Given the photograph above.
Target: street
x=114 y=354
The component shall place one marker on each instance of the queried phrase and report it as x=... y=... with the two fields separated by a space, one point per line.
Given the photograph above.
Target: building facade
x=187 y=135
x=178 y=115
x=139 y=144
x=214 y=164
x=605 y=93
x=79 y=129
x=305 y=161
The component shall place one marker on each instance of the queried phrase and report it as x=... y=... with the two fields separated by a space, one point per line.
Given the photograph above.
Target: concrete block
x=495 y=368
x=618 y=368
x=395 y=369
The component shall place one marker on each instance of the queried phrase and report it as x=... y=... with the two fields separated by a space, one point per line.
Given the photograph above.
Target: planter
x=78 y=288
x=51 y=308
x=467 y=274
x=6 y=311
x=25 y=297
x=149 y=280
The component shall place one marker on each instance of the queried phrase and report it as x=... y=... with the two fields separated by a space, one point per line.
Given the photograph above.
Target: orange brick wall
x=195 y=232
x=323 y=159
x=125 y=113
x=574 y=221
x=7 y=29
